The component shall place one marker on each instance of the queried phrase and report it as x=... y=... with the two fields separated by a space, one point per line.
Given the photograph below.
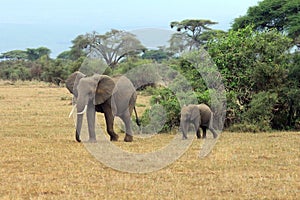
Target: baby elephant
x=200 y=115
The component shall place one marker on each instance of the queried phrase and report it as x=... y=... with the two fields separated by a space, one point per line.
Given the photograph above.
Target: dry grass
x=39 y=159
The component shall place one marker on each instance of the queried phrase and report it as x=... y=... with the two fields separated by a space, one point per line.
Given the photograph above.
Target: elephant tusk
x=72 y=111
x=84 y=110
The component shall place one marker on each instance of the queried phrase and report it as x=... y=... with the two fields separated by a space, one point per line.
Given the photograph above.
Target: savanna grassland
x=39 y=158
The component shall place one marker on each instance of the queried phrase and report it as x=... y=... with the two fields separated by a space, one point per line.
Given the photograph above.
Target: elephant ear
x=104 y=89
x=72 y=82
x=195 y=112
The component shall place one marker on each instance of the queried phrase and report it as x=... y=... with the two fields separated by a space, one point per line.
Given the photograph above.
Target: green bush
x=259 y=114
x=153 y=119
x=260 y=126
x=144 y=75
x=244 y=127
x=260 y=76
x=166 y=108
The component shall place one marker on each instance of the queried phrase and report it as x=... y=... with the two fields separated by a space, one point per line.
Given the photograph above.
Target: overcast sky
x=54 y=23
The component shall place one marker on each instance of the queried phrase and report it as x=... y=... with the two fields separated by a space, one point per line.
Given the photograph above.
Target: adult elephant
x=201 y=116
x=113 y=96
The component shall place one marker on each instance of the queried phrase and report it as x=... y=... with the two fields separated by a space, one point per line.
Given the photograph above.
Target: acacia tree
x=191 y=33
x=77 y=50
x=35 y=54
x=113 y=46
x=31 y=54
x=179 y=42
x=283 y=15
x=14 y=55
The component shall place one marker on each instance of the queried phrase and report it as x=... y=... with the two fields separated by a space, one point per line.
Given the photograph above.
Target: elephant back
x=124 y=95
x=205 y=113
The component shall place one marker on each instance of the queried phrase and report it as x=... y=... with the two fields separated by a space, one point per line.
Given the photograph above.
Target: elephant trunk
x=79 y=121
x=184 y=127
x=78 y=127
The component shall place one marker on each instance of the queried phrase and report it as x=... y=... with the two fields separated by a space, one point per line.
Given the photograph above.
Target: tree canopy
x=14 y=55
x=283 y=15
x=192 y=31
x=113 y=45
x=30 y=54
x=256 y=68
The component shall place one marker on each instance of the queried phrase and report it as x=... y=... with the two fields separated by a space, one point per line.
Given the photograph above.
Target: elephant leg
x=109 y=119
x=126 y=119
x=213 y=132
x=204 y=131
x=197 y=129
x=210 y=127
x=184 y=129
x=198 y=133
x=91 y=122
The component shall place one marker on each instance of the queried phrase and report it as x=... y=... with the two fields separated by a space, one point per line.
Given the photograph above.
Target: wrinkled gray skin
x=200 y=116
x=100 y=93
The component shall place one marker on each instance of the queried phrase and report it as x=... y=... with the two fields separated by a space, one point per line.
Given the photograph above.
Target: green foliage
x=42 y=69
x=153 y=119
x=54 y=71
x=66 y=55
x=261 y=110
x=245 y=127
x=14 y=70
x=256 y=68
x=287 y=113
x=91 y=66
x=144 y=75
x=35 y=54
x=190 y=73
x=195 y=32
x=14 y=55
x=129 y=64
x=167 y=99
x=77 y=50
x=183 y=85
x=283 y=15
x=30 y=54
x=156 y=55
x=259 y=115
x=113 y=46
x=234 y=56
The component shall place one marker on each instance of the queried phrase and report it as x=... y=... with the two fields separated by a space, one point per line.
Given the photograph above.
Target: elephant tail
x=137 y=120
x=211 y=124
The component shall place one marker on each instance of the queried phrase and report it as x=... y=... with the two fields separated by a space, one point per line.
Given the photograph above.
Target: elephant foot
x=92 y=140
x=77 y=137
x=114 y=137
x=184 y=137
x=128 y=138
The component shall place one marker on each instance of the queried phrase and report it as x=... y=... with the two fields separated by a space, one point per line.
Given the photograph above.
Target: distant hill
x=152 y=37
